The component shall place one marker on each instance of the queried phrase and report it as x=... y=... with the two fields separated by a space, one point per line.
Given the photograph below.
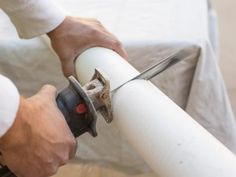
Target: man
x=34 y=137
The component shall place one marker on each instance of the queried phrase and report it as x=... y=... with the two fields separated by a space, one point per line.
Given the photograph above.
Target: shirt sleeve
x=9 y=104
x=33 y=17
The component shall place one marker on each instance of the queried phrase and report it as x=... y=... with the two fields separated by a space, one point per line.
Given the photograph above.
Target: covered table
x=150 y=31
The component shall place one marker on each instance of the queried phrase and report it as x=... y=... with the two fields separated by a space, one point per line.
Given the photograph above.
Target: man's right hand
x=40 y=140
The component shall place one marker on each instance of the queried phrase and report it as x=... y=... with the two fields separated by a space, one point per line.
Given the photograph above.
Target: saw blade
x=164 y=64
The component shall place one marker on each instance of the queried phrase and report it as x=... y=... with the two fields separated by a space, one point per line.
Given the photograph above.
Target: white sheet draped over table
x=150 y=30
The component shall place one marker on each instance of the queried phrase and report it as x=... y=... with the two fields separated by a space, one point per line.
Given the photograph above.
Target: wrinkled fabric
x=150 y=31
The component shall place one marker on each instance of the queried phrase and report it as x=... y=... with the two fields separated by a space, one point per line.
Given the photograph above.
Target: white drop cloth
x=149 y=30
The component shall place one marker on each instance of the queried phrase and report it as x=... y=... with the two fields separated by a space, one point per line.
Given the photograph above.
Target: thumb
x=48 y=91
x=68 y=68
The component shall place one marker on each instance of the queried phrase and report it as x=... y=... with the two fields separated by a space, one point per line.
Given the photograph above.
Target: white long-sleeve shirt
x=31 y=18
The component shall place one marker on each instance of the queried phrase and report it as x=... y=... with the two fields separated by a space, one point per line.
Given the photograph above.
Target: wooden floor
x=227 y=14
x=73 y=170
x=226 y=17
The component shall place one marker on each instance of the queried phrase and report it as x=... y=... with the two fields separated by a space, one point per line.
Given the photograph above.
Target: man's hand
x=39 y=140
x=75 y=35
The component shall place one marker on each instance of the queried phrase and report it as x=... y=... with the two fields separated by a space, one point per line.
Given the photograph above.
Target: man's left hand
x=74 y=35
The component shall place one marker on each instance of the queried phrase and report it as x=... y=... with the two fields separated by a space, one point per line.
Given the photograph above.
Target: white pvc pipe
x=167 y=138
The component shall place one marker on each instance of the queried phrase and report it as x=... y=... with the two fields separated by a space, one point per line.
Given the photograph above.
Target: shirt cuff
x=9 y=104
x=33 y=17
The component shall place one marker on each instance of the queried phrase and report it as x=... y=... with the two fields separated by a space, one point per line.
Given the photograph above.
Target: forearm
x=9 y=103
x=33 y=17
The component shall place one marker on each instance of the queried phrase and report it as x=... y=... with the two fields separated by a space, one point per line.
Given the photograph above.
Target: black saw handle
x=5 y=172
x=77 y=109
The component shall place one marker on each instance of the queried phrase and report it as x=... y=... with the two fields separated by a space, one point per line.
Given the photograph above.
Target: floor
x=227 y=13
x=91 y=171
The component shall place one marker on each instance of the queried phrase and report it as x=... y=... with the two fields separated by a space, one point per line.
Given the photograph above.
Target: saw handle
x=5 y=172
x=77 y=114
x=75 y=111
